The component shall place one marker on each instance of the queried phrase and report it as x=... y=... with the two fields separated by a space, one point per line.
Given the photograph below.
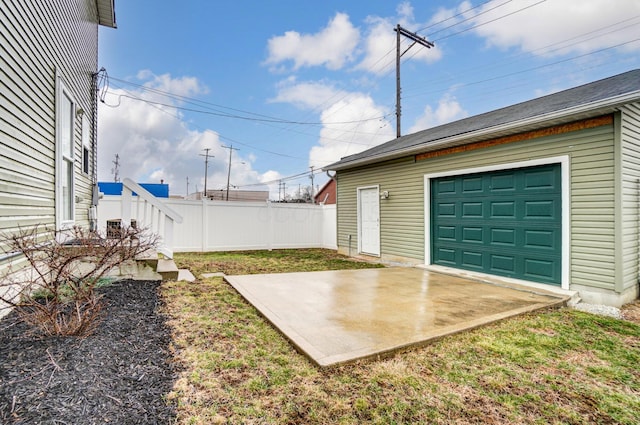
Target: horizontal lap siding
x=592 y=197
x=630 y=150
x=39 y=39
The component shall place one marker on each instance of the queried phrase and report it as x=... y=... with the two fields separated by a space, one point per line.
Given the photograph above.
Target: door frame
x=359 y=218
x=564 y=162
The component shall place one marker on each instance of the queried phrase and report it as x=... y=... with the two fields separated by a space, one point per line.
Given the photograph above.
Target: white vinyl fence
x=231 y=226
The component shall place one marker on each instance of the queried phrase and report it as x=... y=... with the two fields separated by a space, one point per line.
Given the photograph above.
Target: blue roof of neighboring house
x=159 y=190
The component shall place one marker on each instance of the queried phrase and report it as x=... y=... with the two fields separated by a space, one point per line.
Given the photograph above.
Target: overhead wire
x=256 y=117
x=489 y=21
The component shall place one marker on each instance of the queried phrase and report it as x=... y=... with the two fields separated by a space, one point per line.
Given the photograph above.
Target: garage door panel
x=502 y=183
x=446 y=233
x=445 y=186
x=503 y=209
x=471 y=185
x=472 y=259
x=506 y=223
x=447 y=209
x=501 y=264
x=541 y=209
x=472 y=209
x=540 y=239
x=472 y=235
x=446 y=256
x=504 y=237
x=539 y=270
x=540 y=179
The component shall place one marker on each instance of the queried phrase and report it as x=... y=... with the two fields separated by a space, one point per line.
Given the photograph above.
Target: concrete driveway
x=340 y=316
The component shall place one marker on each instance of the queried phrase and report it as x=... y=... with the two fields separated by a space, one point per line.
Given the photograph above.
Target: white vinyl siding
x=39 y=40
x=591 y=162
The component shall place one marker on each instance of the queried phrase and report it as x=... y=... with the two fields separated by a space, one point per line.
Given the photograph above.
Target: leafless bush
x=56 y=292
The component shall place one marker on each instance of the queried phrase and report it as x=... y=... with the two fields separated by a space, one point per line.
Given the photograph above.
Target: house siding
x=629 y=192
x=591 y=158
x=40 y=41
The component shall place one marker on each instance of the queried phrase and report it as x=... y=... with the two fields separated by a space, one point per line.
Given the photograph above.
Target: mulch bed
x=118 y=375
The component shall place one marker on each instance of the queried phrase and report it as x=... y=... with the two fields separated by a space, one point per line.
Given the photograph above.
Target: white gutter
x=606 y=104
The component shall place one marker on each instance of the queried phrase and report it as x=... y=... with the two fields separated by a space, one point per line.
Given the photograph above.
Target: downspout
x=95 y=194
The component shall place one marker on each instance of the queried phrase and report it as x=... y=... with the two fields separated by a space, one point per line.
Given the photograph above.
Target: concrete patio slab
x=337 y=317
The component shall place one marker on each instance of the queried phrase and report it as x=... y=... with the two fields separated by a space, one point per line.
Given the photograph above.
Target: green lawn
x=557 y=366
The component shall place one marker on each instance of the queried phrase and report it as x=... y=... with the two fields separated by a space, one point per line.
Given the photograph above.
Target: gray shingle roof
x=579 y=102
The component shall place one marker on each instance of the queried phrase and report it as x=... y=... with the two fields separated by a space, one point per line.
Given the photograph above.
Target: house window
x=86 y=148
x=65 y=116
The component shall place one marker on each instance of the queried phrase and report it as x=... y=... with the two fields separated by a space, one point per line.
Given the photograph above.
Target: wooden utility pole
x=206 y=168
x=116 y=169
x=416 y=39
x=311 y=176
x=231 y=149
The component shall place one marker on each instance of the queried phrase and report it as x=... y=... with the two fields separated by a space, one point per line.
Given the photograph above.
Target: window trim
x=86 y=146
x=64 y=158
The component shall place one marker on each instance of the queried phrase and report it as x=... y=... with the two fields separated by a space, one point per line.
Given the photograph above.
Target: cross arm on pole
x=415 y=37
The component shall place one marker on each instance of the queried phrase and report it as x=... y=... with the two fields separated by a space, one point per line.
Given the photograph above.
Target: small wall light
x=79 y=112
x=384 y=194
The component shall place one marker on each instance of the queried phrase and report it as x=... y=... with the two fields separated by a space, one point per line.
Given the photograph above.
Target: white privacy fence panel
x=228 y=226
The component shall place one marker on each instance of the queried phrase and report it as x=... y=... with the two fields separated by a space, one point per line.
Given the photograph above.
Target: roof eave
x=578 y=112
x=106 y=13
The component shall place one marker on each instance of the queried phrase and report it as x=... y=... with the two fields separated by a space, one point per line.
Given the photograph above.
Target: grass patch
x=276 y=261
x=556 y=366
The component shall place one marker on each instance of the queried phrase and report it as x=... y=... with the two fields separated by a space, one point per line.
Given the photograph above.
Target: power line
x=467 y=19
x=522 y=71
x=256 y=117
x=489 y=21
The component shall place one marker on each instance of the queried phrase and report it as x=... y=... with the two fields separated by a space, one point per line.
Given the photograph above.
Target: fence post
x=270 y=226
x=205 y=227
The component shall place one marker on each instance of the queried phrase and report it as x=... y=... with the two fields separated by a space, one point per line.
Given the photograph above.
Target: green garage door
x=505 y=223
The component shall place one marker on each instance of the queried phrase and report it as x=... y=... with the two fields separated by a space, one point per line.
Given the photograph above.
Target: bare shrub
x=56 y=292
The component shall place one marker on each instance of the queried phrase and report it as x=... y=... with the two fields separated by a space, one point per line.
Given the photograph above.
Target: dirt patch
x=631 y=311
x=118 y=375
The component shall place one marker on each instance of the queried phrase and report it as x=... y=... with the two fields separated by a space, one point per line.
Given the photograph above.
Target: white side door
x=369 y=220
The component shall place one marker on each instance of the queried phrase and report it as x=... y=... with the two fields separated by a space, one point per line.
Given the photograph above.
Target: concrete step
x=167 y=269
x=149 y=258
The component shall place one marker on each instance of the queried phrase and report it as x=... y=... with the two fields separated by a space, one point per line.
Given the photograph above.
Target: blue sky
x=293 y=85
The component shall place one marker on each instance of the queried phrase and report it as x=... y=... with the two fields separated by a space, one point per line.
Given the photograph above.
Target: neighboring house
x=543 y=191
x=159 y=190
x=327 y=193
x=48 y=78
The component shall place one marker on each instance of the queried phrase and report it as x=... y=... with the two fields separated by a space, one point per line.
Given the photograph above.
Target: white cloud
x=448 y=110
x=351 y=122
x=181 y=86
x=348 y=129
x=559 y=27
x=380 y=43
x=155 y=142
x=308 y=94
x=332 y=47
